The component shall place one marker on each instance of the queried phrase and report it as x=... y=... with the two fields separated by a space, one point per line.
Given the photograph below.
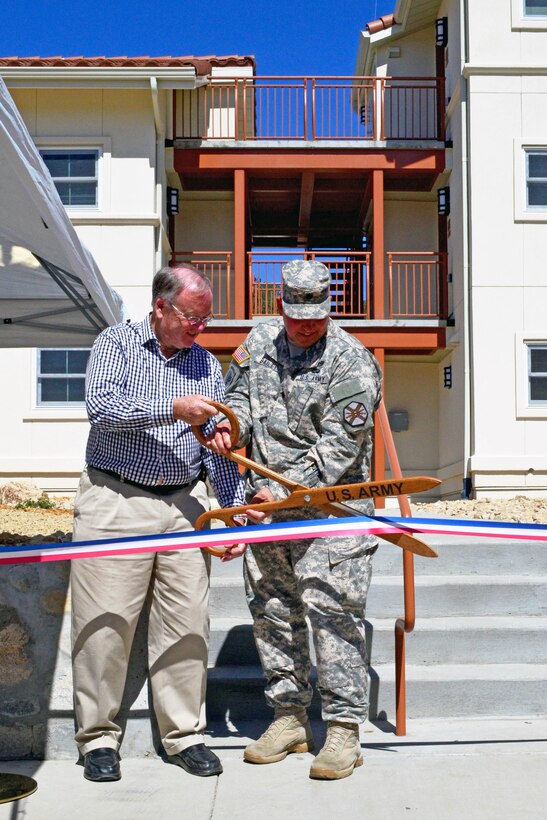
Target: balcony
x=415 y=282
x=311 y=109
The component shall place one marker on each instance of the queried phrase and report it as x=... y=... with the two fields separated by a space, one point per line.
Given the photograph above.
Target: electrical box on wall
x=398 y=420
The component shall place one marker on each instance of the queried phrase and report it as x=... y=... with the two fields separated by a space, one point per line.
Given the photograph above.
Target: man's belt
x=330 y=499
x=156 y=489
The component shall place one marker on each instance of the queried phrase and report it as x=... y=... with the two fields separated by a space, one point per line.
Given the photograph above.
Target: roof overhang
x=409 y=15
x=116 y=72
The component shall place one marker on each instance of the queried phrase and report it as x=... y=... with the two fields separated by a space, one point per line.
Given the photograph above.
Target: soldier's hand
x=220 y=439
x=233 y=551
x=193 y=409
x=260 y=497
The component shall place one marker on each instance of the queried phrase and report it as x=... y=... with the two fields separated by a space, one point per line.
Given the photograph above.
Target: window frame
x=39 y=376
x=522 y=211
x=529 y=152
x=74 y=151
x=535 y=374
x=103 y=145
x=520 y=20
x=532 y=16
x=527 y=408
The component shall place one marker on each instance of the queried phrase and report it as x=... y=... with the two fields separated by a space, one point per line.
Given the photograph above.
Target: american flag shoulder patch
x=241 y=354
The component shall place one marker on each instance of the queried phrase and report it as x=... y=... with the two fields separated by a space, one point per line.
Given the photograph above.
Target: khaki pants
x=108 y=594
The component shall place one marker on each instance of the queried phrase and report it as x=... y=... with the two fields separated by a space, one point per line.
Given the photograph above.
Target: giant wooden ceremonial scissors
x=329 y=499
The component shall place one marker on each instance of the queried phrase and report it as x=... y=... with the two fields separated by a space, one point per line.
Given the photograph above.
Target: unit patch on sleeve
x=241 y=355
x=355 y=414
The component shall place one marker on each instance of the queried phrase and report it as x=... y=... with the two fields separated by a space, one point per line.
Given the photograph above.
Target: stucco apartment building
x=421 y=182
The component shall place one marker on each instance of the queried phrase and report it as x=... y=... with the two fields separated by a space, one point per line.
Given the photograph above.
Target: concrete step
x=436 y=596
x=473 y=690
x=465 y=640
x=235 y=694
x=457 y=555
x=465 y=595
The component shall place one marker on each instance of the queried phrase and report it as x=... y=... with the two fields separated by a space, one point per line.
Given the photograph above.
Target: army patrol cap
x=306 y=289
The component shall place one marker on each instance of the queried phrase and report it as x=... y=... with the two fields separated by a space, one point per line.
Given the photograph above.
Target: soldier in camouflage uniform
x=304 y=392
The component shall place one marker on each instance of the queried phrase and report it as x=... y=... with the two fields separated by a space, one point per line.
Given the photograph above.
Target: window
x=530 y=178
x=61 y=377
x=536 y=179
x=75 y=174
x=537 y=374
x=529 y=15
x=535 y=8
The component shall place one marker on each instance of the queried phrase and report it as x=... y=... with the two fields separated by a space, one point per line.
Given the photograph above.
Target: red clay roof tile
x=203 y=65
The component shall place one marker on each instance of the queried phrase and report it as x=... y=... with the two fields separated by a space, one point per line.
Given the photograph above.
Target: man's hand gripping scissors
x=329 y=499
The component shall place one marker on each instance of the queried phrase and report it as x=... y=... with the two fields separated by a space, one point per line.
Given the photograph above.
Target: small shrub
x=30 y=503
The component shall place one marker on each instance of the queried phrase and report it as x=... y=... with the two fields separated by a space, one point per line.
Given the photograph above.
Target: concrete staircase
x=479 y=647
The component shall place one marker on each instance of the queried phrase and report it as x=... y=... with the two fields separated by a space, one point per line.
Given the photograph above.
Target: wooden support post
x=378 y=248
x=240 y=245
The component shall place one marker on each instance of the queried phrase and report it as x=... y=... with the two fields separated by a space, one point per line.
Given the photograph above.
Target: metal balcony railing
x=217 y=266
x=416 y=282
x=349 y=280
x=312 y=108
x=416 y=285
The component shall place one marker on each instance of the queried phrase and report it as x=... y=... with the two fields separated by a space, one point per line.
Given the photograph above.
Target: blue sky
x=296 y=37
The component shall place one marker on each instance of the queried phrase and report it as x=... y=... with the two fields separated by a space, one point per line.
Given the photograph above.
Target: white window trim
x=61 y=409
x=520 y=22
x=522 y=212
x=525 y=410
x=101 y=144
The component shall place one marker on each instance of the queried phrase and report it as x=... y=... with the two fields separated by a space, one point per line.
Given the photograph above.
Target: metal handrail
x=407 y=622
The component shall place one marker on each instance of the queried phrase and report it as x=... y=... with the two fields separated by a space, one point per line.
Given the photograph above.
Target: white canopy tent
x=52 y=293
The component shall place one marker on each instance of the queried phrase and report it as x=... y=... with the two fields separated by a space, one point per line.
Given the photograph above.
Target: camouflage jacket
x=309 y=416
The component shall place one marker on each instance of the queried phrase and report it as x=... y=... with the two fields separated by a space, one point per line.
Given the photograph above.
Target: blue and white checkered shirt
x=130 y=387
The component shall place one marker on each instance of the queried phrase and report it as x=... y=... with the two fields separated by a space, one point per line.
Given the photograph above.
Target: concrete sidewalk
x=441 y=770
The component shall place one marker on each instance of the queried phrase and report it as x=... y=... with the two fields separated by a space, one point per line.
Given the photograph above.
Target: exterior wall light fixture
x=172 y=201
x=448 y=377
x=441 y=32
x=443 y=201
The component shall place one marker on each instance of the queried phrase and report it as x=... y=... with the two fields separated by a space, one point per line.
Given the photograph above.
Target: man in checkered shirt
x=147 y=383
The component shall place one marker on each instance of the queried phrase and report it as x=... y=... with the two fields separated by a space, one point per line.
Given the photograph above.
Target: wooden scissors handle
x=239 y=459
x=230 y=415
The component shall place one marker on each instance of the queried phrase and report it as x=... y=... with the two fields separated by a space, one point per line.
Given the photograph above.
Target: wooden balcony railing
x=417 y=285
x=416 y=282
x=312 y=108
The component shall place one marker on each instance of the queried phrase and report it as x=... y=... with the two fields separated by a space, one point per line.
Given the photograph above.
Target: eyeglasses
x=194 y=321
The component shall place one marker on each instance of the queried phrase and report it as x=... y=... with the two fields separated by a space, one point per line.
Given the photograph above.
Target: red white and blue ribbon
x=317 y=528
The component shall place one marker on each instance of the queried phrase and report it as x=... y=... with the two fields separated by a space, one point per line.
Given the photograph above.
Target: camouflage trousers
x=324 y=580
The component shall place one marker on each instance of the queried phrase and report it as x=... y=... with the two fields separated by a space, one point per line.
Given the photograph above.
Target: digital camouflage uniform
x=309 y=417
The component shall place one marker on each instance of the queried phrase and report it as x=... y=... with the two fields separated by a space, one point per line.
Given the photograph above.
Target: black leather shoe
x=197 y=759
x=102 y=764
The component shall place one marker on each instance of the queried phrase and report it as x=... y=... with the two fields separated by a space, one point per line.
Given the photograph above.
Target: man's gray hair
x=169 y=282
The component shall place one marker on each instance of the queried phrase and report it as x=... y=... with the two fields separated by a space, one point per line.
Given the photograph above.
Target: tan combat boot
x=341 y=753
x=289 y=732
